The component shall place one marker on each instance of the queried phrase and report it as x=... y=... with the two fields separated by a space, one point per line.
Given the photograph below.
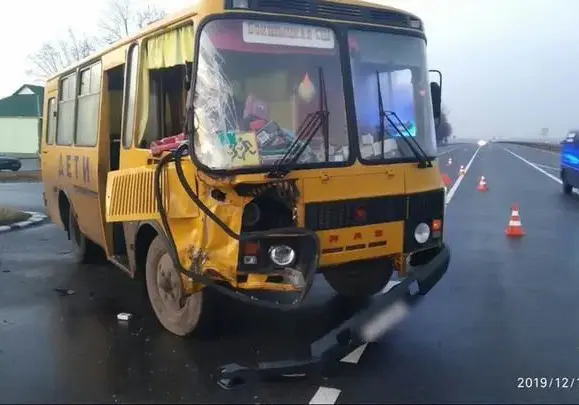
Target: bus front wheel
x=178 y=313
x=360 y=279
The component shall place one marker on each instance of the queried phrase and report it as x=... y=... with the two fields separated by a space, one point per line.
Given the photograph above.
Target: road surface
x=506 y=309
x=25 y=196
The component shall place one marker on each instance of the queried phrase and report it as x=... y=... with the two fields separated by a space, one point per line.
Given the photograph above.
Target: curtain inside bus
x=170 y=49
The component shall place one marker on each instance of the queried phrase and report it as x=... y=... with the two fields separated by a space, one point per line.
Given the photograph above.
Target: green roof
x=23 y=105
x=38 y=90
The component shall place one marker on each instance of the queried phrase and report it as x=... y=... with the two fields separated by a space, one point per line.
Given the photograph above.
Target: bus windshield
x=256 y=83
x=399 y=63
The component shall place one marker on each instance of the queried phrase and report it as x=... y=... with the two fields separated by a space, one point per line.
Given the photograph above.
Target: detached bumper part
x=361 y=328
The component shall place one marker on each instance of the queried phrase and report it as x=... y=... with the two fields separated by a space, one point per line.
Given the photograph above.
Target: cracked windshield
x=395 y=64
x=258 y=83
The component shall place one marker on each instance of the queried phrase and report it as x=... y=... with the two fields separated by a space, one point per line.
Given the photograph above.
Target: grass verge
x=10 y=216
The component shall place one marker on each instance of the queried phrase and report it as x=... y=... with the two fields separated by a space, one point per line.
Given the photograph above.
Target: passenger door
x=48 y=159
x=80 y=164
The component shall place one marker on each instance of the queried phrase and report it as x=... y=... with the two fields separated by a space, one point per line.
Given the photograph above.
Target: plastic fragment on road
x=64 y=291
x=124 y=316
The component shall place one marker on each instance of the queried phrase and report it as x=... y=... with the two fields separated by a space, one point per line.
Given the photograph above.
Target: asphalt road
x=507 y=309
x=25 y=196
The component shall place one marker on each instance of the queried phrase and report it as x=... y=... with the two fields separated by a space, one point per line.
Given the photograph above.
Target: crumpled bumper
x=365 y=326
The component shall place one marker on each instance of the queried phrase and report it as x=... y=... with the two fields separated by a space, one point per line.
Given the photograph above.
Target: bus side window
x=65 y=111
x=51 y=121
x=88 y=105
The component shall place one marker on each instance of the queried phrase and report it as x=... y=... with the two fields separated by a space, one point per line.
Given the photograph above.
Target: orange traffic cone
x=515 y=229
x=482 y=184
x=462 y=171
x=449 y=162
x=446 y=180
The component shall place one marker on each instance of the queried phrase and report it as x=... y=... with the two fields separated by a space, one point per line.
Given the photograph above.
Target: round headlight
x=282 y=255
x=422 y=233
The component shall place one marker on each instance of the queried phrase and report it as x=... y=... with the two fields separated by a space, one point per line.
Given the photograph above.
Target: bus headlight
x=282 y=255
x=422 y=233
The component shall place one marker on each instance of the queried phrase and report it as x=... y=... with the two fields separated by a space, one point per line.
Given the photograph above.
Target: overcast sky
x=510 y=67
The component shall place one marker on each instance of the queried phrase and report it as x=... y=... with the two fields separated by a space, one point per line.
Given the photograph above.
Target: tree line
x=443 y=129
x=119 y=18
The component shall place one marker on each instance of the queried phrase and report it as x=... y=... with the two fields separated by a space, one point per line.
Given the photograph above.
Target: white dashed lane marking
x=354 y=357
x=326 y=395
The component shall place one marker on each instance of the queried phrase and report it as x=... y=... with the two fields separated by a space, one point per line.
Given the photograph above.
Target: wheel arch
x=64 y=206
x=147 y=231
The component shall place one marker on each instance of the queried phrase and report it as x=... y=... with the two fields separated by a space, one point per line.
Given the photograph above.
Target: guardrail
x=544 y=145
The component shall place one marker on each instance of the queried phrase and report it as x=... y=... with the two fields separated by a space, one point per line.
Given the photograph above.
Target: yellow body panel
x=101 y=197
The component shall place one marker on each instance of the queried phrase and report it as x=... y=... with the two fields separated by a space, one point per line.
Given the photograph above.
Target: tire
x=85 y=250
x=178 y=314
x=567 y=188
x=360 y=279
x=15 y=169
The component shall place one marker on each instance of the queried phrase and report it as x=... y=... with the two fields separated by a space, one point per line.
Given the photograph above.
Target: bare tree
x=120 y=18
x=444 y=128
x=124 y=17
x=54 y=56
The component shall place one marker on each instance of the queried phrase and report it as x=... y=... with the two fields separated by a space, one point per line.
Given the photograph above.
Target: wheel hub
x=169 y=285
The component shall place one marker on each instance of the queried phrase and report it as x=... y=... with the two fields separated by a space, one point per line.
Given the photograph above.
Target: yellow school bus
x=247 y=146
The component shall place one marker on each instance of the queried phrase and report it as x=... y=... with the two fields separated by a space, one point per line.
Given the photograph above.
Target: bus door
x=48 y=164
x=117 y=104
x=79 y=164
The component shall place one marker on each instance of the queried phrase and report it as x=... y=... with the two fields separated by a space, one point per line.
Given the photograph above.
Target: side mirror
x=436 y=93
x=436 y=99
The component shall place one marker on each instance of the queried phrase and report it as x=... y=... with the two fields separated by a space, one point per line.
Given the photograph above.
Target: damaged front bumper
x=365 y=326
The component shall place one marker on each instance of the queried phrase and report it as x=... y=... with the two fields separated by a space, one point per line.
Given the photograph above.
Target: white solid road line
x=548 y=167
x=325 y=395
x=534 y=166
x=454 y=187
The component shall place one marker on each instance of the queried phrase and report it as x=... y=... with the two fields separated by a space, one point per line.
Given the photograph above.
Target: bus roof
x=363 y=3
x=188 y=13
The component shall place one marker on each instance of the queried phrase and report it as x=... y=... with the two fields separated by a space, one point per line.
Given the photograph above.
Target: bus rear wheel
x=178 y=313
x=85 y=250
x=361 y=279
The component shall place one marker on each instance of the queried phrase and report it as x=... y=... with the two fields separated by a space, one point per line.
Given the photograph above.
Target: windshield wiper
x=423 y=161
x=306 y=131
x=408 y=137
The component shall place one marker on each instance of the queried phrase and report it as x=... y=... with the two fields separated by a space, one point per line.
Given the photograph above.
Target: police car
x=570 y=162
